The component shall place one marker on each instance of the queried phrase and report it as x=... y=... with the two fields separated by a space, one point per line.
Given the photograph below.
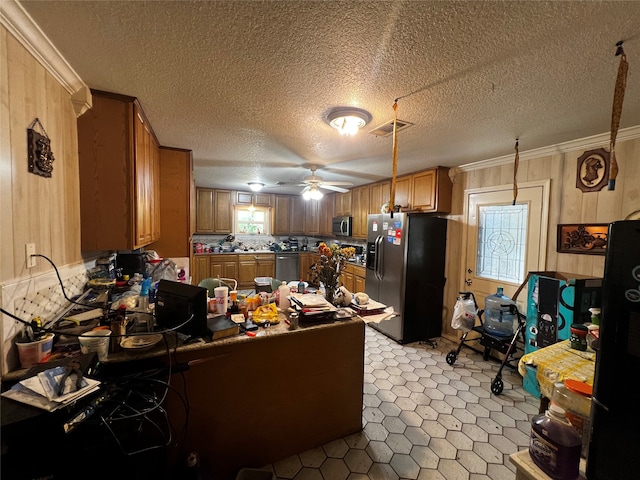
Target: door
x=501 y=241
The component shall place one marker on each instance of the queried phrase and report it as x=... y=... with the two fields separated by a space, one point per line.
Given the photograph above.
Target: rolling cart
x=505 y=345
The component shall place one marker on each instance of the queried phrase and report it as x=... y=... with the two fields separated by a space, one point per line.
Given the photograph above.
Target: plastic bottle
x=143 y=299
x=301 y=287
x=575 y=398
x=498 y=319
x=595 y=315
x=283 y=300
x=554 y=444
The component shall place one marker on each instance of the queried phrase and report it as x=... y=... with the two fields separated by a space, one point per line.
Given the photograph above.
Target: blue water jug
x=498 y=319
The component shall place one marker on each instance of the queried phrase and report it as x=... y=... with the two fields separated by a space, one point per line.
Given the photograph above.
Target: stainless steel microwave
x=342 y=226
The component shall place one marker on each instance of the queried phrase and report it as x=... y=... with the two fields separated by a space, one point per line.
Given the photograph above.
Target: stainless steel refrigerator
x=615 y=424
x=405 y=269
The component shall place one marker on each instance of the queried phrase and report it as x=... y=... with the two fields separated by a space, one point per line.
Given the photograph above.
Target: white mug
x=222 y=299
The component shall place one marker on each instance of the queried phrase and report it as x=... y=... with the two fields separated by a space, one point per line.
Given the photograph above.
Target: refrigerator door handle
x=379 y=258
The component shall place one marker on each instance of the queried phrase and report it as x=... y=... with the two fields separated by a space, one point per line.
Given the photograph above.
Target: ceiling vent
x=386 y=129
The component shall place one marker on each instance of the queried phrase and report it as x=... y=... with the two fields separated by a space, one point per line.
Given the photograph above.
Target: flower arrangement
x=327 y=268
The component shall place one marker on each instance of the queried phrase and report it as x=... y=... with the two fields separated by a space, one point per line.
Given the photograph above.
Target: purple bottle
x=554 y=445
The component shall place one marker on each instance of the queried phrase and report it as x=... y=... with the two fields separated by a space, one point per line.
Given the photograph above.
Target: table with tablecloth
x=558 y=362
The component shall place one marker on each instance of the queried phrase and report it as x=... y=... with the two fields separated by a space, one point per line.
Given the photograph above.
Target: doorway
x=502 y=242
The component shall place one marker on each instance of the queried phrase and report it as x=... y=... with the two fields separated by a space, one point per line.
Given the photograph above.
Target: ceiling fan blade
x=334 y=188
x=348 y=184
x=305 y=189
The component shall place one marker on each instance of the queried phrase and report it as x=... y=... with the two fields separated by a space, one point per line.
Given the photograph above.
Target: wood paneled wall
x=568 y=204
x=34 y=209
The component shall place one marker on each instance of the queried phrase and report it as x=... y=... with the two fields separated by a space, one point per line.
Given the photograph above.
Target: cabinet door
x=205 y=202
x=156 y=205
x=359 y=284
x=142 y=173
x=378 y=195
x=247 y=271
x=327 y=205
x=305 y=261
x=176 y=197
x=281 y=214
x=244 y=198
x=404 y=191
x=265 y=265
x=199 y=269
x=223 y=213
x=432 y=190
x=297 y=214
x=312 y=216
x=343 y=204
x=360 y=210
x=262 y=199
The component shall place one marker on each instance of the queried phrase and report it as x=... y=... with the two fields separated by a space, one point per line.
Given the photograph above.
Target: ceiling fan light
x=306 y=195
x=348 y=120
x=316 y=194
x=256 y=186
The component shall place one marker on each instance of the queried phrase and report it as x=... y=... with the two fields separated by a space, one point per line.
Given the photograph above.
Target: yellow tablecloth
x=558 y=362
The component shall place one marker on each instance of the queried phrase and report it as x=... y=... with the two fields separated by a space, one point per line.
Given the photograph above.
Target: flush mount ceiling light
x=312 y=193
x=348 y=120
x=256 y=186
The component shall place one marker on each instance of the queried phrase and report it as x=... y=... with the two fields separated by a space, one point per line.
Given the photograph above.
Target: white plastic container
x=283 y=294
x=31 y=353
x=96 y=341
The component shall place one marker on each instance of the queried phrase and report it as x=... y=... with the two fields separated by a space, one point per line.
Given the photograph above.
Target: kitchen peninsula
x=256 y=400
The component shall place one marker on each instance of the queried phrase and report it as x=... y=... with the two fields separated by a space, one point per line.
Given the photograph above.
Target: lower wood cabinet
x=353 y=278
x=199 y=268
x=223 y=266
x=251 y=266
x=305 y=260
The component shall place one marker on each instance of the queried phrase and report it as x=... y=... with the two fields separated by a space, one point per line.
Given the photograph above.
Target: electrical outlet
x=30 y=249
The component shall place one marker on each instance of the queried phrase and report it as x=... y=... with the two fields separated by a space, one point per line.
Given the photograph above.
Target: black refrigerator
x=405 y=269
x=615 y=423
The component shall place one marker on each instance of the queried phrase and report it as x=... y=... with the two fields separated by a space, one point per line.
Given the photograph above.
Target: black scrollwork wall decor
x=40 y=156
x=593 y=170
x=583 y=238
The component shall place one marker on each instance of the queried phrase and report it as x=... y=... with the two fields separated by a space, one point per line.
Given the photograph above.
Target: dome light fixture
x=312 y=194
x=255 y=186
x=348 y=120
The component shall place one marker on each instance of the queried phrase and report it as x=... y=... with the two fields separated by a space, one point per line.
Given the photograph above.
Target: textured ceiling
x=245 y=84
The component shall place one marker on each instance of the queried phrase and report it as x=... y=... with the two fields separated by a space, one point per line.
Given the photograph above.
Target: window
x=252 y=221
x=502 y=235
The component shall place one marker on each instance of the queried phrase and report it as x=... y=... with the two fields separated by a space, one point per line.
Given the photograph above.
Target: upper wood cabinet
x=360 y=210
x=250 y=198
x=343 y=204
x=378 y=195
x=119 y=175
x=312 y=216
x=432 y=190
x=327 y=205
x=289 y=215
x=177 y=196
x=214 y=211
x=404 y=189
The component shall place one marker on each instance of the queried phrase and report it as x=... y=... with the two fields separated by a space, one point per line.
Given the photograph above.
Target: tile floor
x=424 y=419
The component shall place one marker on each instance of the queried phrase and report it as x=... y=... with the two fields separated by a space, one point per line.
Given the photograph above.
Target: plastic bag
x=266 y=313
x=464 y=314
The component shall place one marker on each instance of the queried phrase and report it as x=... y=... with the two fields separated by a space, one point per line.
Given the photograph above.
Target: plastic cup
x=221 y=295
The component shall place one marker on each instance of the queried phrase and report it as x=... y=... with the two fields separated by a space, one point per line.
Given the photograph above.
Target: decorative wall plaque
x=593 y=170
x=583 y=238
x=40 y=156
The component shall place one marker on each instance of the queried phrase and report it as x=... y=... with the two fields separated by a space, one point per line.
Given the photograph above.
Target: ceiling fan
x=313 y=182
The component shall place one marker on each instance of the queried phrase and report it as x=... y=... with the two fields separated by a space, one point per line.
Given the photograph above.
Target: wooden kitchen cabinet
x=214 y=211
x=177 y=197
x=223 y=266
x=404 y=191
x=378 y=195
x=252 y=265
x=305 y=260
x=119 y=175
x=312 y=216
x=327 y=205
x=255 y=199
x=289 y=215
x=343 y=204
x=360 y=211
x=353 y=278
x=432 y=190
x=199 y=268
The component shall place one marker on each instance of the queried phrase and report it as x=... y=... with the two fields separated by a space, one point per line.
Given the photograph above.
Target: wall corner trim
x=20 y=24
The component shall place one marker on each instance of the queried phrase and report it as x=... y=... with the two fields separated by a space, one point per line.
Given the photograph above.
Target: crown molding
x=20 y=24
x=587 y=143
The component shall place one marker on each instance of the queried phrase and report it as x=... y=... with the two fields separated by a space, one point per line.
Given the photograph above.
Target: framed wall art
x=593 y=170
x=590 y=239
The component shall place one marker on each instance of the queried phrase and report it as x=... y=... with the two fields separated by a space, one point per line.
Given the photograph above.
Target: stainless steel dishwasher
x=287 y=266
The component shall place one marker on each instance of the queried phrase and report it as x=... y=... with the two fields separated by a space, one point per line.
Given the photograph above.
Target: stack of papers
x=370 y=308
x=41 y=390
x=311 y=304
